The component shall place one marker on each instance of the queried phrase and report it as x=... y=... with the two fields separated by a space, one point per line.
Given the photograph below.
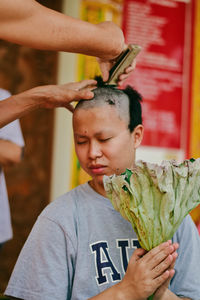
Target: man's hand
x=118 y=46
x=106 y=65
x=52 y=96
x=162 y=290
x=48 y=96
x=147 y=272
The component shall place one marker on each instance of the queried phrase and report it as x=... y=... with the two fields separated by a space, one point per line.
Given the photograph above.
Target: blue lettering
x=123 y=245
x=136 y=244
x=103 y=261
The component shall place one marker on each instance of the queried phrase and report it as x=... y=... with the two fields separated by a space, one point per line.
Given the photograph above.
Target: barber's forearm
x=103 y=40
x=47 y=96
x=36 y=26
x=15 y=107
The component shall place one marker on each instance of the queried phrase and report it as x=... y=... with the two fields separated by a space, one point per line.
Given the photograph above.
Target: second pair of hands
x=52 y=96
x=150 y=273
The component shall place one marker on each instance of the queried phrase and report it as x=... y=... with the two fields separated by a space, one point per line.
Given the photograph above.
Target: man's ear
x=138 y=135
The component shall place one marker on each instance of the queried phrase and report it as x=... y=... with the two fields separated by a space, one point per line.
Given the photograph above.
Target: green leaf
x=155 y=198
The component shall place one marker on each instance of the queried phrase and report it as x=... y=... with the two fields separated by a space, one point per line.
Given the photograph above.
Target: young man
x=80 y=246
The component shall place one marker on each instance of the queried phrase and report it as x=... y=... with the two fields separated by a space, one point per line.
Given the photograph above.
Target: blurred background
x=167 y=75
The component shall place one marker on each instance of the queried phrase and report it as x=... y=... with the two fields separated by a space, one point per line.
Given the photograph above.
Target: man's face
x=103 y=142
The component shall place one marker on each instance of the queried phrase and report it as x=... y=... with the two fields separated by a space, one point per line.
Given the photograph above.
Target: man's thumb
x=138 y=253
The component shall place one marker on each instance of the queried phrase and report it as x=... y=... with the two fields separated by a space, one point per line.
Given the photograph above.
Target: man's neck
x=98 y=187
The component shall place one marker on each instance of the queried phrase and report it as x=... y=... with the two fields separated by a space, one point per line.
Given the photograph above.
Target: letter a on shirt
x=102 y=262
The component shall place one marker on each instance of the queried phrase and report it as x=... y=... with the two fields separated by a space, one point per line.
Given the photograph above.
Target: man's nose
x=94 y=150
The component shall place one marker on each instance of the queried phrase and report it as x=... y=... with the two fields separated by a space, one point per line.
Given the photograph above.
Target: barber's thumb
x=104 y=71
x=105 y=75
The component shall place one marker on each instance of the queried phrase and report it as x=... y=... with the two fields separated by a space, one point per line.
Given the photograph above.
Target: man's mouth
x=97 y=169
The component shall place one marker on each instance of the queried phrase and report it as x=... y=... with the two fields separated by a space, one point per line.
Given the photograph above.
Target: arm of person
x=111 y=294
x=10 y=153
x=31 y=24
x=170 y=296
x=114 y=293
x=34 y=25
x=49 y=96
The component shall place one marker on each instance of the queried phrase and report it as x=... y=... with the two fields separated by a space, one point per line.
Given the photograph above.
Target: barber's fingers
x=76 y=96
x=88 y=83
x=126 y=73
x=72 y=95
x=85 y=94
x=130 y=68
x=105 y=67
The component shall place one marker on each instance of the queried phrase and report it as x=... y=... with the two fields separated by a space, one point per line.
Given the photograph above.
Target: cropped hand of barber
x=149 y=272
x=105 y=66
x=48 y=96
x=52 y=96
x=106 y=63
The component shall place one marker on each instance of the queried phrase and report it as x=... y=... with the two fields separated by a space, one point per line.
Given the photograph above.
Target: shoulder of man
x=188 y=237
x=65 y=206
x=186 y=227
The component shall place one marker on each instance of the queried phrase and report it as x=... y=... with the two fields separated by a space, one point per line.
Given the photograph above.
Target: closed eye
x=81 y=143
x=105 y=140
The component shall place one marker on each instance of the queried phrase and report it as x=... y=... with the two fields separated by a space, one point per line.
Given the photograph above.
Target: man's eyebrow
x=97 y=134
x=79 y=135
x=102 y=132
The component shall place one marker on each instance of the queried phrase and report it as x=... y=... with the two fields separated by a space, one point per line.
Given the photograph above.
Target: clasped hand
x=149 y=272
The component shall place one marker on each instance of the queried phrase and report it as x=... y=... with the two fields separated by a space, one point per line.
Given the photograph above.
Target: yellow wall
x=195 y=110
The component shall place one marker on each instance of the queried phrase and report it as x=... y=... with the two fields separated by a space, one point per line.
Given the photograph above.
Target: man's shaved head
x=126 y=102
x=109 y=96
